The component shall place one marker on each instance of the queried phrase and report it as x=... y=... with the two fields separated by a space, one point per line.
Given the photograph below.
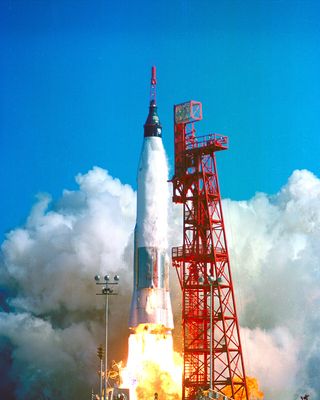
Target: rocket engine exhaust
x=151 y=304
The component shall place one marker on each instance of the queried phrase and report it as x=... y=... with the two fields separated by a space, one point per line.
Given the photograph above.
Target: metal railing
x=182 y=251
x=208 y=140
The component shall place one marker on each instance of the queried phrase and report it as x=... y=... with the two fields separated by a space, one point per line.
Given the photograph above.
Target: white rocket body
x=151 y=304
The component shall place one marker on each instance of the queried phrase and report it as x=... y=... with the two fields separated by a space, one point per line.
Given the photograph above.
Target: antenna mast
x=153 y=85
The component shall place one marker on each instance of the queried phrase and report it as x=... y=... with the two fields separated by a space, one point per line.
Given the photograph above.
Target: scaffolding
x=213 y=358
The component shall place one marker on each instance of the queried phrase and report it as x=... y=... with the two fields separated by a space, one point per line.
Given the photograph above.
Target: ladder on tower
x=213 y=357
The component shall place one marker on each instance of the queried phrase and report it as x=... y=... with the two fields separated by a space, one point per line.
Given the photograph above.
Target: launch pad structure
x=213 y=357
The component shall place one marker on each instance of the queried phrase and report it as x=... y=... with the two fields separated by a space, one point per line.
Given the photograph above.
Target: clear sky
x=74 y=87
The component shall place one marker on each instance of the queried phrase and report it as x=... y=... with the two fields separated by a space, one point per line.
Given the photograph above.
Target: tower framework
x=212 y=349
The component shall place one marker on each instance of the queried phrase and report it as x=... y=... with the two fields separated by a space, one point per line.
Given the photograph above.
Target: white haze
x=54 y=321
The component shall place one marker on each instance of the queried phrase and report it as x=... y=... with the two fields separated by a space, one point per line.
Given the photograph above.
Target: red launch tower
x=212 y=350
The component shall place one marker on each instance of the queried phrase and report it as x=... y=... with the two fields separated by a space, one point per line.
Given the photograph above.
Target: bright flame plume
x=153 y=366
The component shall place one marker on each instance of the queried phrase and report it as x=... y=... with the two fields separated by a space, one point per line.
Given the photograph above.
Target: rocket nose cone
x=152 y=127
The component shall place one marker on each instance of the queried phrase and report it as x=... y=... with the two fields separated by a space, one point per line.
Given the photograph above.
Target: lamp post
x=106 y=291
x=100 y=353
x=211 y=282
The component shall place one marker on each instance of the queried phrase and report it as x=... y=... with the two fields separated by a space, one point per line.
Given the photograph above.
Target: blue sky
x=74 y=80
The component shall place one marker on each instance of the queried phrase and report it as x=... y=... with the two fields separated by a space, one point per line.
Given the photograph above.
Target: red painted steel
x=153 y=84
x=204 y=254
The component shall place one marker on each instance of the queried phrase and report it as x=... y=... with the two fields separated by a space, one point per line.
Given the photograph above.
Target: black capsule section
x=152 y=127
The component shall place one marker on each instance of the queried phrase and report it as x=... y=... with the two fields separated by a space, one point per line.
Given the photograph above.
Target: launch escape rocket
x=151 y=304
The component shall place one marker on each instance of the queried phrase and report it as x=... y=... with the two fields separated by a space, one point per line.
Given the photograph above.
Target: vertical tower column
x=212 y=348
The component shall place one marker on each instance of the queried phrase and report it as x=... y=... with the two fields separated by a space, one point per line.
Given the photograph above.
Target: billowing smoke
x=52 y=322
x=274 y=242
x=55 y=320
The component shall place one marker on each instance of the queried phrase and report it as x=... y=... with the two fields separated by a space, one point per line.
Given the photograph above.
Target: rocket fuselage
x=151 y=304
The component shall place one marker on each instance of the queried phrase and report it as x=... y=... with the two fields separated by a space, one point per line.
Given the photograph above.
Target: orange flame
x=153 y=366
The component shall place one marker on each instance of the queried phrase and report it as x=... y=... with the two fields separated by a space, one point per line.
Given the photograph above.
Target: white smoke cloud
x=55 y=321
x=275 y=261
x=272 y=357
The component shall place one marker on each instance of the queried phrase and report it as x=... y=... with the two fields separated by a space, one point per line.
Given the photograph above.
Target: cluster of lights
x=107 y=278
x=211 y=279
x=106 y=289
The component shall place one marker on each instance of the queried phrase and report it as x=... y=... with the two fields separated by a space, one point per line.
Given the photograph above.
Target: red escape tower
x=212 y=350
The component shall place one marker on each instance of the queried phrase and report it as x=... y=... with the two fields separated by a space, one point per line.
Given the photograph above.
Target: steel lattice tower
x=202 y=264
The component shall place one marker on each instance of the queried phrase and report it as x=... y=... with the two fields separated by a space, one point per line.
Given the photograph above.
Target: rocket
x=151 y=304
